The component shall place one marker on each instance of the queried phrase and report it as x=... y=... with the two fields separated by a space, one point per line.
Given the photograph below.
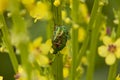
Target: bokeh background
x=39 y=29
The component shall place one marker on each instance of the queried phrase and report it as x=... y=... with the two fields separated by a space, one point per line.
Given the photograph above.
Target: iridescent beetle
x=59 y=39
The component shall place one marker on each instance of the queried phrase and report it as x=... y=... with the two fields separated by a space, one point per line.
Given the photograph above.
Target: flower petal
x=46 y=46
x=102 y=51
x=1 y=77
x=37 y=42
x=110 y=59
x=117 y=53
x=117 y=43
x=81 y=34
x=42 y=60
x=107 y=40
x=65 y=72
x=118 y=77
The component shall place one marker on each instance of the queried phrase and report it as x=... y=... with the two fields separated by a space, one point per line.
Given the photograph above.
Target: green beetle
x=59 y=39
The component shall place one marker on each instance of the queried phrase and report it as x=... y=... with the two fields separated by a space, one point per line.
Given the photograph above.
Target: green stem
x=19 y=23
x=23 y=47
x=93 y=45
x=57 y=18
x=74 y=41
x=57 y=65
x=118 y=29
x=6 y=40
x=82 y=50
x=75 y=8
x=112 y=71
x=74 y=53
x=89 y=29
x=49 y=29
x=93 y=14
x=20 y=31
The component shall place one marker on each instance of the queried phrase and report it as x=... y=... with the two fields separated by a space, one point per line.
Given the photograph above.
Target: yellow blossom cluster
x=67 y=60
x=118 y=77
x=35 y=75
x=103 y=31
x=65 y=18
x=110 y=50
x=65 y=51
x=83 y=11
x=83 y=15
x=3 y=5
x=65 y=72
x=39 y=51
x=38 y=10
x=81 y=34
x=56 y=3
x=1 y=78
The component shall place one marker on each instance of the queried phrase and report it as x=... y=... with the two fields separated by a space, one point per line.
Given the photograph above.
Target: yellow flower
x=75 y=26
x=36 y=44
x=71 y=3
x=64 y=14
x=80 y=69
x=67 y=20
x=65 y=50
x=3 y=5
x=46 y=46
x=43 y=78
x=103 y=31
x=84 y=12
x=36 y=75
x=27 y=2
x=1 y=78
x=38 y=47
x=1 y=49
x=42 y=60
x=40 y=11
x=56 y=3
x=84 y=60
x=21 y=75
x=81 y=34
x=65 y=72
x=110 y=50
x=118 y=77
x=39 y=51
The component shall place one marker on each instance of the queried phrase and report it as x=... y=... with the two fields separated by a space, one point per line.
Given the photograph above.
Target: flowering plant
x=59 y=39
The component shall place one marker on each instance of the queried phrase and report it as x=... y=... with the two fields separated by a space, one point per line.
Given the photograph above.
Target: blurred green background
x=39 y=29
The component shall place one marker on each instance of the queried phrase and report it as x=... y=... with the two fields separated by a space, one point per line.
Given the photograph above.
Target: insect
x=59 y=39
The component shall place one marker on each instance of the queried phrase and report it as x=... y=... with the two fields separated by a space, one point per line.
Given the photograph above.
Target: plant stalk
x=74 y=53
x=20 y=31
x=89 y=30
x=57 y=65
x=112 y=71
x=7 y=42
x=74 y=40
x=93 y=44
